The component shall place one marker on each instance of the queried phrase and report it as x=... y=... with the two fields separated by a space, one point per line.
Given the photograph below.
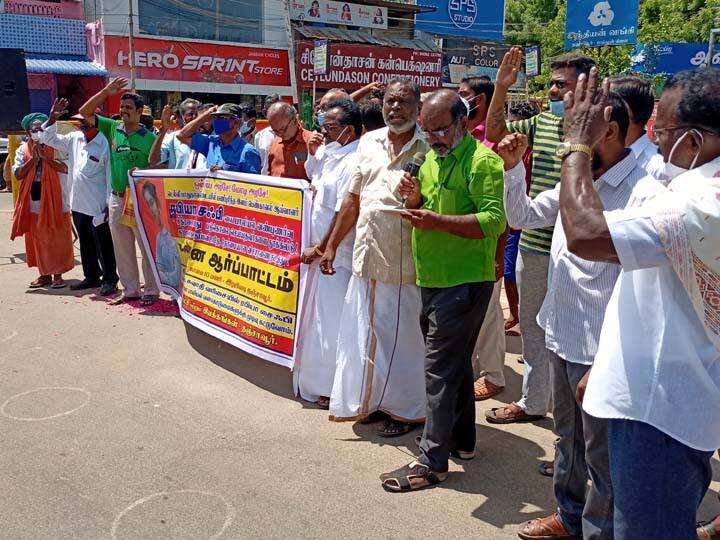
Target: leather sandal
x=547 y=528
x=510 y=414
x=412 y=476
x=484 y=389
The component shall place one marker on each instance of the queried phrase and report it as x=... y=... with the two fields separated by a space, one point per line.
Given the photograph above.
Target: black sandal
x=411 y=477
x=148 y=299
x=547 y=468
x=393 y=428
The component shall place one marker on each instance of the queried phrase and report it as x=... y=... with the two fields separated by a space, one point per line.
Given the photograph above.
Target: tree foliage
x=530 y=22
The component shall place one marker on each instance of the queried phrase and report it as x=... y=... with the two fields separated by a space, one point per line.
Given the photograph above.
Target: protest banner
x=228 y=246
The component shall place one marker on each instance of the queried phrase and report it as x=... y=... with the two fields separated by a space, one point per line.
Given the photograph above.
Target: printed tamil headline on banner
x=228 y=245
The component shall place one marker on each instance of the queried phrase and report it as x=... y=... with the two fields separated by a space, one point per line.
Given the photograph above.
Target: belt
x=117 y=194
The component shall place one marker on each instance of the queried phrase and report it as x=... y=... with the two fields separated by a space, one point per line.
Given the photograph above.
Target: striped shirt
x=578 y=290
x=545 y=132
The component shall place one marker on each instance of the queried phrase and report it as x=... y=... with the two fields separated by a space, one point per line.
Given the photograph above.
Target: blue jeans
x=658 y=482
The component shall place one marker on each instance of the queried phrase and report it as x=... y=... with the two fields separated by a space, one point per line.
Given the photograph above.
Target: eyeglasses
x=560 y=84
x=283 y=129
x=441 y=133
x=330 y=127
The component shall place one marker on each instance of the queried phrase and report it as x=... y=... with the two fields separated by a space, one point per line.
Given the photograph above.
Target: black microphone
x=413 y=167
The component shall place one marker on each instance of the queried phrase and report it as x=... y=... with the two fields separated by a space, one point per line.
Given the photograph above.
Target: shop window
x=222 y=20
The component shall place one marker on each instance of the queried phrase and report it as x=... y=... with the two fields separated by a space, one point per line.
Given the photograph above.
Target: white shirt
x=263 y=140
x=646 y=153
x=88 y=168
x=578 y=290
x=331 y=180
x=179 y=155
x=655 y=363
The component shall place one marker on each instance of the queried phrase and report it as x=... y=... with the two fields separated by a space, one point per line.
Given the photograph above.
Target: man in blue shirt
x=225 y=149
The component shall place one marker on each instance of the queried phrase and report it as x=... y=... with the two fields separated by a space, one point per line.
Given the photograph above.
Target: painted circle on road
x=174 y=515
x=45 y=403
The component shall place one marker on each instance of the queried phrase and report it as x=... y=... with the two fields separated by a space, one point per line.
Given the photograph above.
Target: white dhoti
x=314 y=369
x=381 y=353
x=489 y=353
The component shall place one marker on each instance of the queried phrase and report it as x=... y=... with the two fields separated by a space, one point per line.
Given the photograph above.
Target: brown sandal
x=484 y=389
x=510 y=414
x=42 y=281
x=411 y=477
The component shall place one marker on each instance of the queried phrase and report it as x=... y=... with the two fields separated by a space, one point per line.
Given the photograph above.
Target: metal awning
x=357 y=36
x=65 y=65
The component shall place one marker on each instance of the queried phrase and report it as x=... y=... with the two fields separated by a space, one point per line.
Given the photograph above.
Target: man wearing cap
x=225 y=149
x=89 y=155
x=130 y=144
x=41 y=212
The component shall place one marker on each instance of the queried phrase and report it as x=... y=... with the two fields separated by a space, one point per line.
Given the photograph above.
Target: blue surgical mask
x=221 y=125
x=245 y=128
x=557 y=108
x=321 y=118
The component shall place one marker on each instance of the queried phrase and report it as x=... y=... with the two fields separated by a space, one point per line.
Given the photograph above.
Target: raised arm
x=581 y=209
x=522 y=211
x=49 y=135
x=186 y=133
x=495 y=126
x=166 y=118
x=357 y=95
x=90 y=106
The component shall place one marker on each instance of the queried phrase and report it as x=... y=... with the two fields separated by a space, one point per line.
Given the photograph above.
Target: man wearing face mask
x=315 y=144
x=379 y=356
x=42 y=210
x=225 y=149
x=577 y=294
x=656 y=375
x=314 y=370
x=289 y=150
x=478 y=93
x=89 y=171
x=249 y=117
x=168 y=151
x=455 y=207
x=545 y=132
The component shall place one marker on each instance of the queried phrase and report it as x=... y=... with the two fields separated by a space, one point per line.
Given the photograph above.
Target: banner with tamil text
x=228 y=245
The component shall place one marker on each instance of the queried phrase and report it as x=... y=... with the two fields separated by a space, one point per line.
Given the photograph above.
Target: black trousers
x=96 y=249
x=450 y=321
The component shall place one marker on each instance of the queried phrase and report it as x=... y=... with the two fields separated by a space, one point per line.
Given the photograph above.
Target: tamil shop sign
x=354 y=66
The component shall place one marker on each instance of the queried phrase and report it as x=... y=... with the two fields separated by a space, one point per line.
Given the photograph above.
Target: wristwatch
x=564 y=149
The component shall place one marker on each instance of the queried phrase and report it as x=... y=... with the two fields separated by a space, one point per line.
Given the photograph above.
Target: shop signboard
x=341 y=13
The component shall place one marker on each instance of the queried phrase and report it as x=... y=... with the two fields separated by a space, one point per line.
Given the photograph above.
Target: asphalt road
x=123 y=424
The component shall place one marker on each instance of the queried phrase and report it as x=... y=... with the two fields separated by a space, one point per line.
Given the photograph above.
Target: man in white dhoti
x=330 y=167
x=381 y=349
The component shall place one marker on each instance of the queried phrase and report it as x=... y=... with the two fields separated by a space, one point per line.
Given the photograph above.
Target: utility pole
x=131 y=44
x=711 y=46
x=291 y=53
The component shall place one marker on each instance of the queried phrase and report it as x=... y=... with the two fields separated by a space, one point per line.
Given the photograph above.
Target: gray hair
x=406 y=82
x=188 y=101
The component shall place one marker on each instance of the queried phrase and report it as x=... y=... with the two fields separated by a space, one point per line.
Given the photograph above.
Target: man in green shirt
x=456 y=208
x=130 y=145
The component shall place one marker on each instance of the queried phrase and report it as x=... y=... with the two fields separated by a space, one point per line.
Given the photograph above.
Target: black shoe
x=84 y=284
x=108 y=289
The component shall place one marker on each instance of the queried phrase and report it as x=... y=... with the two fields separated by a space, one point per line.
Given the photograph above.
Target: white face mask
x=332 y=147
x=35 y=135
x=670 y=170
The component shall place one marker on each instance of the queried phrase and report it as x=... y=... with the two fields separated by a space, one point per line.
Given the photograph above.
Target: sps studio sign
x=464 y=18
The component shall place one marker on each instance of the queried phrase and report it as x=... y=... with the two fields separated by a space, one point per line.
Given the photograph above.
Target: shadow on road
x=270 y=377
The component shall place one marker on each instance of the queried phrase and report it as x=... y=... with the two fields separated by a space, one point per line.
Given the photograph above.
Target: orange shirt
x=287 y=159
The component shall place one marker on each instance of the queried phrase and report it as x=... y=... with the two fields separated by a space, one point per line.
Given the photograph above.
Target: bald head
x=444 y=119
x=336 y=94
x=282 y=118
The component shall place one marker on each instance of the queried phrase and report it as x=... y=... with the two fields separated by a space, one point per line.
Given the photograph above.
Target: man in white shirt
x=380 y=358
x=334 y=163
x=265 y=137
x=656 y=375
x=640 y=98
x=577 y=295
x=168 y=151
x=89 y=173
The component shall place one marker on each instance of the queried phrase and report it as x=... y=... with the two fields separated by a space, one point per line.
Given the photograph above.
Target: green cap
x=229 y=109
